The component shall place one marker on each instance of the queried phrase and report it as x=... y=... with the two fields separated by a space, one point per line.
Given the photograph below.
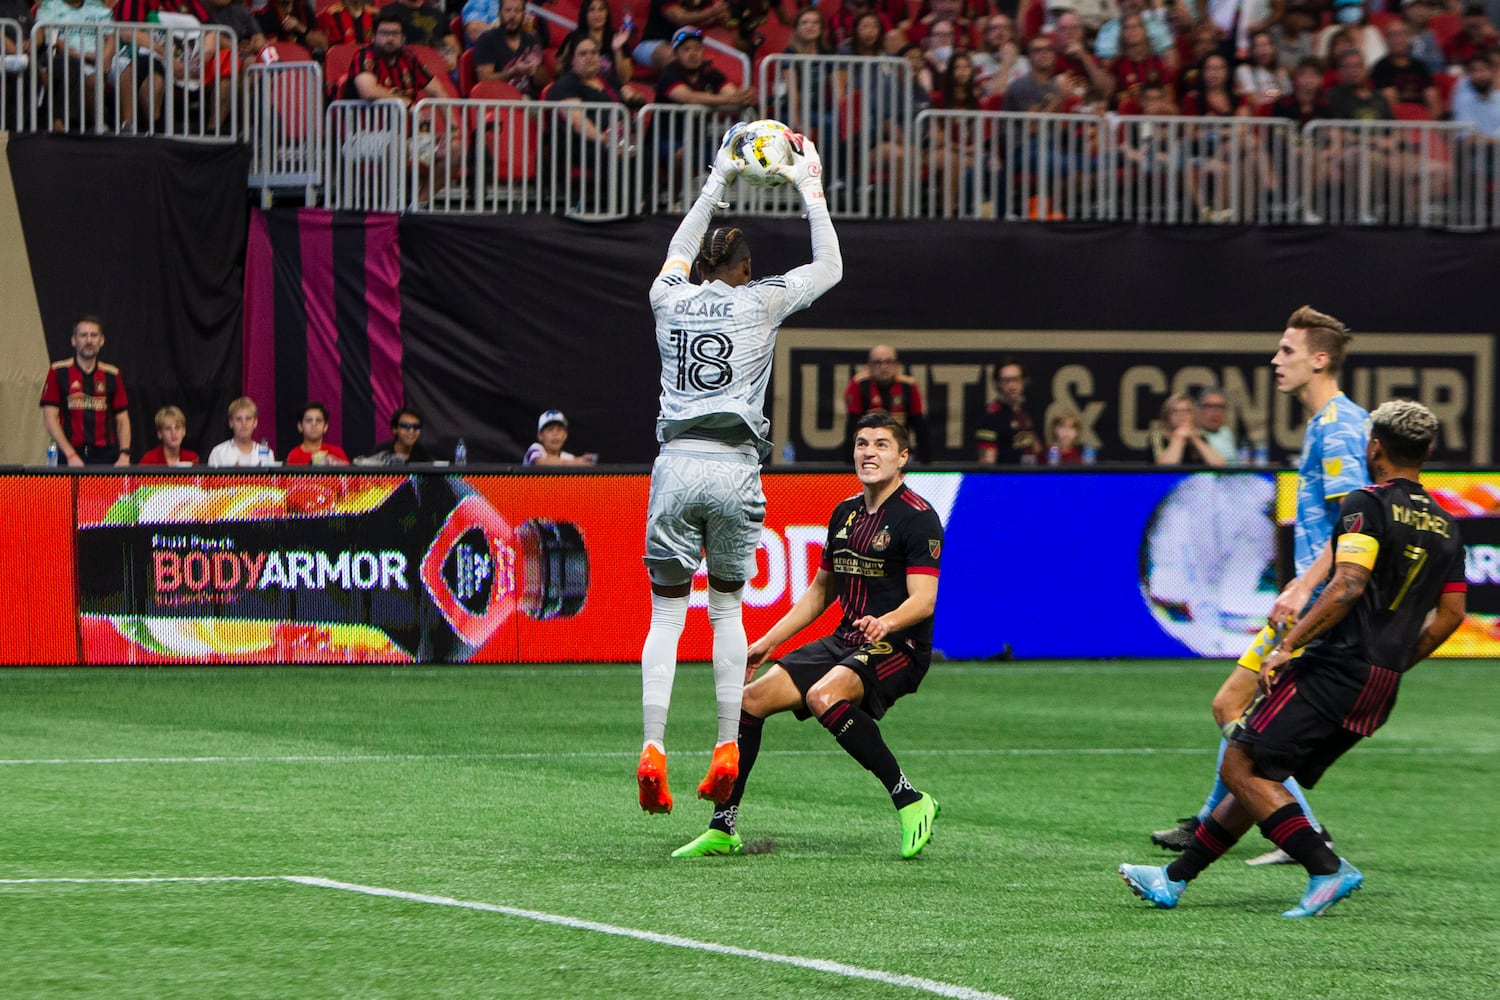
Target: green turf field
x=512 y=791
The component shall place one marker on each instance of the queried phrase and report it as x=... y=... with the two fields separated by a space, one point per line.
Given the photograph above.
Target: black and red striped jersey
x=88 y=401
x=1412 y=548
x=871 y=554
x=342 y=25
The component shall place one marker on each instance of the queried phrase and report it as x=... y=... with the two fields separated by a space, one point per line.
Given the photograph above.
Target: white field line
x=396 y=758
x=932 y=986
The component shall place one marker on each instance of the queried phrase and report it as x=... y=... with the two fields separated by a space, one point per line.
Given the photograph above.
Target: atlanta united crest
x=881 y=540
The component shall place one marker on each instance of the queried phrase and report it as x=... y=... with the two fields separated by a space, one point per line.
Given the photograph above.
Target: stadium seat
x=512 y=136
x=1445 y=82
x=456 y=27
x=1445 y=27
x=468 y=76
x=336 y=63
x=1406 y=111
x=1381 y=18
x=291 y=52
x=433 y=61
x=495 y=90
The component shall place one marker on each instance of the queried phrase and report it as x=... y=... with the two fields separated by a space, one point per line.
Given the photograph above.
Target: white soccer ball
x=758 y=148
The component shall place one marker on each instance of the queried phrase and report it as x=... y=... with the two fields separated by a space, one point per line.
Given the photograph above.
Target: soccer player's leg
x=770 y=693
x=731 y=535
x=1162 y=885
x=674 y=546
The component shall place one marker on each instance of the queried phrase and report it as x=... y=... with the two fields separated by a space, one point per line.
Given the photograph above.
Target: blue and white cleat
x=1152 y=885
x=1325 y=890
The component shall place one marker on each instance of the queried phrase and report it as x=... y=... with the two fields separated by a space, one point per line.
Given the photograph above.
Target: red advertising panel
x=36 y=573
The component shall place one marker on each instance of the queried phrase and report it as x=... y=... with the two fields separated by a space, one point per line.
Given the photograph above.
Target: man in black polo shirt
x=510 y=53
x=84 y=404
x=881 y=564
x=691 y=79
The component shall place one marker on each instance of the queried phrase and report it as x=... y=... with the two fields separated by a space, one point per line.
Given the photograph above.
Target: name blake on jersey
x=722 y=310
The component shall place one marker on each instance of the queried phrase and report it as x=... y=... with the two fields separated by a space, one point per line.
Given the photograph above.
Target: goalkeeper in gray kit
x=716 y=331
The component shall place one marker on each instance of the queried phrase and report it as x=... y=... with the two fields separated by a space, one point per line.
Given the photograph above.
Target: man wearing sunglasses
x=405 y=445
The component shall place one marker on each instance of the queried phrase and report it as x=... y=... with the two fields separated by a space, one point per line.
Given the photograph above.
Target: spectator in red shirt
x=883 y=386
x=1476 y=35
x=348 y=22
x=1006 y=434
x=384 y=69
x=171 y=427
x=1137 y=64
x=1079 y=69
x=314 y=450
x=84 y=403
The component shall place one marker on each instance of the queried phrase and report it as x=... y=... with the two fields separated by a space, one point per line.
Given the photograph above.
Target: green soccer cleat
x=713 y=843
x=916 y=824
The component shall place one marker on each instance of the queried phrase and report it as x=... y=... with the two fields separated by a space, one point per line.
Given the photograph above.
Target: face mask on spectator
x=1351 y=14
x=942 y=53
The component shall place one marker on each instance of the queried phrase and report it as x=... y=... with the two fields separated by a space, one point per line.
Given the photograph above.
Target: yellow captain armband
x=1358 y=549
x=676 y=264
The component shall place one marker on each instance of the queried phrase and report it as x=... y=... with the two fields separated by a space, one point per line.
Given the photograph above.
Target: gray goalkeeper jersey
x=716 y=344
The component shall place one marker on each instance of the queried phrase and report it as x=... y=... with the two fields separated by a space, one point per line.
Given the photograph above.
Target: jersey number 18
x=702 y=360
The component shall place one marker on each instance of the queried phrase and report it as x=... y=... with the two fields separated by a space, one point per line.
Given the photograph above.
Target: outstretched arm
x=827 y=267
x=683 y=249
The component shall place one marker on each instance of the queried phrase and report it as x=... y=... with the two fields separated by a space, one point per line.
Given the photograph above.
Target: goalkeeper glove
x=806 y=168
x=724 y=163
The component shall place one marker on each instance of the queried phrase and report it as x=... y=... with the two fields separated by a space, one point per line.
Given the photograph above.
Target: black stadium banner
x=1118 y=391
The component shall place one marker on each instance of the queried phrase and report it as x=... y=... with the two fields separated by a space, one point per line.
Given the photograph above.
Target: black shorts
x=887 y=671
x=1288 y=737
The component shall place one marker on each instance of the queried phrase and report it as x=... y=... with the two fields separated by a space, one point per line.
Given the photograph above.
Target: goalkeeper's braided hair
x=723 y=247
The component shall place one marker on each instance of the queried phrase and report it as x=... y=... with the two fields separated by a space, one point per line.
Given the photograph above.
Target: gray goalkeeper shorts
x=706 y=500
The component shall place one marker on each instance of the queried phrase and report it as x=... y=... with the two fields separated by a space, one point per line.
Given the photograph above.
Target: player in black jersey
x=1397 y=559
x=881 y=564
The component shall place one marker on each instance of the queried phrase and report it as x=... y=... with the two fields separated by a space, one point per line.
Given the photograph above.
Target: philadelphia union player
x=716 y=337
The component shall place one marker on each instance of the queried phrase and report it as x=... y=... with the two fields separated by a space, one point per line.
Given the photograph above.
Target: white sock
x=729 y=659
x=659 y=663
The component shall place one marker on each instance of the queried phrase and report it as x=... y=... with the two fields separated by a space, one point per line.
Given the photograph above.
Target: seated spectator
x=957 y=88
x=1205 y=41
x=405 y=446
x=597 y=22
x=1262 y=79
x=79 y=62
x=1475 y=100
x=171 y=427
x=1350 y=18
x=314 y=450
x=691 y=79
x=884 y=386
x=1108 y=42
x=511 y=53
x=998 y=62
x=1403 y=79
x=241 y=450
x=293 y=21
x=384 y=69
x=1424 y=46
x=1006 y=434
x=1137 y=64
x=237 y=17
x=1038 y=90
x=937 y=49
x=1353 y=98
x=1212 y=413
x=426 y=24
x=841 y=23
x=551 y=435
x=1075 y=62
x=813 y=92
x=1294 y=35
x=1306 y=101
x=936 y=12
x=348 y=22
x=1175 y=438
x=1476 y=34
x=1063 y=433
x=1212 y=97
x=665 y=22
x=866 y=36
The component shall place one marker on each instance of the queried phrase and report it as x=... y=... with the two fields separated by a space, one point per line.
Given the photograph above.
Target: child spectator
x=240 y=450
x=314 y=450
x=171 y=426
x=1063 y=432
x=405 y=445
x=551 y=435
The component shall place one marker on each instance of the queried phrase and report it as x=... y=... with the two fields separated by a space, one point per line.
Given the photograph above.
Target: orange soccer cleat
x=651 y=775
x=723 y=771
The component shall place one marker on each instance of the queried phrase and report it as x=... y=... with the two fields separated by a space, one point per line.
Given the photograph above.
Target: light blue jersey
x=1333 y=464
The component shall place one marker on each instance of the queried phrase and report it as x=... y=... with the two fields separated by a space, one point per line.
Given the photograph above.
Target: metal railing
x=177 y=81
x=565 y=24
x=563 y=157
x=13 y=61
x=1396 y=174
x=675 y=145
x=367 y=156
x=284 y=128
